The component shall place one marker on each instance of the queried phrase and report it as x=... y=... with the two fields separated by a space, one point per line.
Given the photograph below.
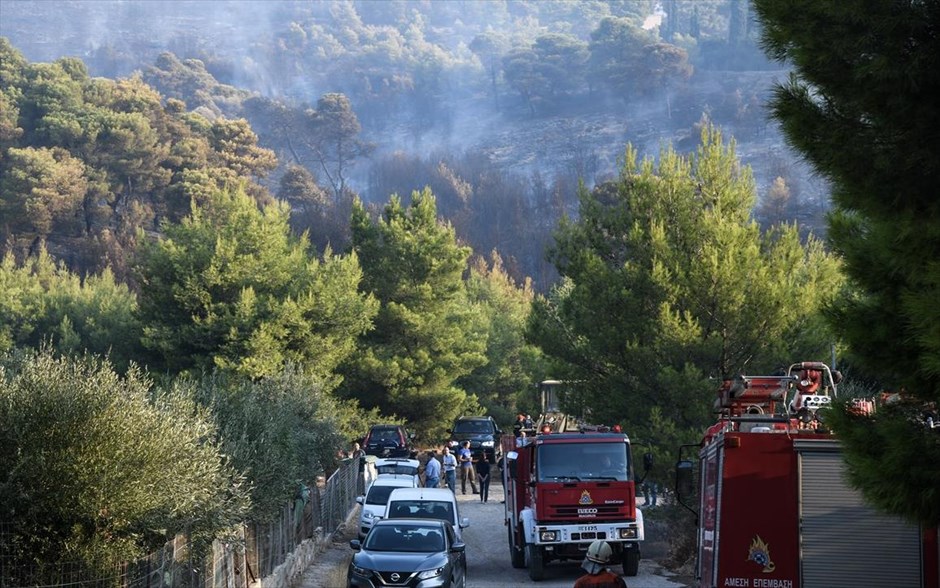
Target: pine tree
x=861 y=107
x=667 y=280
x=231 y=287
x=513 y=365
x=426 y=334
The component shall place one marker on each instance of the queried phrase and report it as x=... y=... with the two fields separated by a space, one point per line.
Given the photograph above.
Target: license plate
x=583 y=528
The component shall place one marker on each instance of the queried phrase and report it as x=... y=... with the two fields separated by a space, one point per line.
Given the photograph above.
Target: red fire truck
x=566 y=485
x=774 y=510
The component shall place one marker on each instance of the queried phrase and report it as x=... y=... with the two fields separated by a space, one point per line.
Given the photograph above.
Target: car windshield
x=422 y=509
x=474 y=427
x=583 y=461
x=405 y=538
x=384 y=436
x=379 y=494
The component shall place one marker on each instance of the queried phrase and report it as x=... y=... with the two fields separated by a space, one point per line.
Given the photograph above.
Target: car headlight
x=430 y=573
x=364 y=572
x=628 y=533
x=367 y=516
x=548 y=535
x=487 y=444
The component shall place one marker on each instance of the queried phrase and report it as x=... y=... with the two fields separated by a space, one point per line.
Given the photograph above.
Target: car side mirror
x=355 y=544
x=458 y=547
x=360 y=499
x=464 y=522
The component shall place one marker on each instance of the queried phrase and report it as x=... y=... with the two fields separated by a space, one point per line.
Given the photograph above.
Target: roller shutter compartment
x=844 y=542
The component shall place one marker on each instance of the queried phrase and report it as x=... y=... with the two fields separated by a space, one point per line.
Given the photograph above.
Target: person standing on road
x=465 y=457
x=483 y=475
x=450 y=469
x=359 y=456
x=650 y=490
x=432 y=471
x=598 y=576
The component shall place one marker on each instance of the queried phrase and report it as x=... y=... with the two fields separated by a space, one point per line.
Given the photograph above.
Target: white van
x=374 y=501
x=426 y=503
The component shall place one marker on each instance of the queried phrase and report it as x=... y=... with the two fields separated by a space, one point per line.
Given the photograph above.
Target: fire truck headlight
x=628 y=533
x=548 y=535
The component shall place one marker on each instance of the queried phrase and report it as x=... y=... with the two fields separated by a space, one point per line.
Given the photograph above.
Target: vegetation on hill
x=502 y=107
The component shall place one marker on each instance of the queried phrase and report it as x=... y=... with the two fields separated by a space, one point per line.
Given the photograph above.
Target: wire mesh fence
x=254 y=552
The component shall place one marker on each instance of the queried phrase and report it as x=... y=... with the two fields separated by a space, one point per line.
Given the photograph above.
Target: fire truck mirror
x=647 y=461
x=684 y=486
x=511 y=464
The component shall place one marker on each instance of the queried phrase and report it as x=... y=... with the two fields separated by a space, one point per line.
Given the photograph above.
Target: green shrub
x=282 y=431
x=98 y=468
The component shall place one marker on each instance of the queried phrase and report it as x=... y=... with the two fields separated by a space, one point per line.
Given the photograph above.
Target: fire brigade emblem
x=759 y=553
x=585 y=498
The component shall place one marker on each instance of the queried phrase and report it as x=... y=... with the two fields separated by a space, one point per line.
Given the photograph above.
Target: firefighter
x=598 y=576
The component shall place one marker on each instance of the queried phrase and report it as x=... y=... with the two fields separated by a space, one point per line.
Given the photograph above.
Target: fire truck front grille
x=588 y=535
x=578 y=511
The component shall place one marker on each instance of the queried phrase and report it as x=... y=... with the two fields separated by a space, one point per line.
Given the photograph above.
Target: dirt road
x=487 y=556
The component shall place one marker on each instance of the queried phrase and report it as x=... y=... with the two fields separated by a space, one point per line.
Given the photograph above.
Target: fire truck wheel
x=536 y=563
x=631 y=562
x=516 y=553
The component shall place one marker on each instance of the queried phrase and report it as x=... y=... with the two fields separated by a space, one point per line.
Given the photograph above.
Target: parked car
x=389 y=441
x=376 y=498
x=402 y=466
x=482 y=433
x=426 y=503
x=410 y=553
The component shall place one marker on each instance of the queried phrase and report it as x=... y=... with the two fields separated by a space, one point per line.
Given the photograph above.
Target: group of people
x=523 y=421
x=472 y=471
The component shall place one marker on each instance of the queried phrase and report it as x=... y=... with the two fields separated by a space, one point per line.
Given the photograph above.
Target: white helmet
x=599 y=552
